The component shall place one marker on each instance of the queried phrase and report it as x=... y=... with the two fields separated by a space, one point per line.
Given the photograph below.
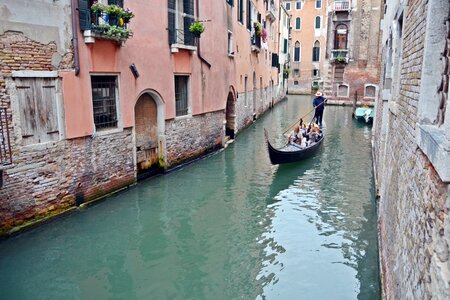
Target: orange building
x=308 y=44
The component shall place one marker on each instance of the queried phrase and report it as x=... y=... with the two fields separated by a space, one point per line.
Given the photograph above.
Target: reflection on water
x=230 y=226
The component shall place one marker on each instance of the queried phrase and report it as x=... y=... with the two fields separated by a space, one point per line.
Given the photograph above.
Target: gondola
x=291 y=153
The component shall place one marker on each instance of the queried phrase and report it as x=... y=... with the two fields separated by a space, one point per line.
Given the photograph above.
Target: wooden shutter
x=116 y=2
x=84 y=12
x=249 y=15
x=27 y=108
x=188 y=9
x=171 y=25
x=38 y=112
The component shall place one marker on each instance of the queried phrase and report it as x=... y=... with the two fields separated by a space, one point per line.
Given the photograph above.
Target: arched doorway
x=147 y=136
x=230 y=115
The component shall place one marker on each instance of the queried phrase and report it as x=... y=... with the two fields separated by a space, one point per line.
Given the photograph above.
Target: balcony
x=256 y=43
x=339 y=56
x=270 y=12
x=103 y=26
x=181 y=39
x=341 y=5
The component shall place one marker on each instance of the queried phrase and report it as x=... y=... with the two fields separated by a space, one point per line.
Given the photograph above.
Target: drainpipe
x=198 y=40
x=76 y=57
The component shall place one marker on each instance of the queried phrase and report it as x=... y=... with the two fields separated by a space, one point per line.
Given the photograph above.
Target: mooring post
x=354 y=104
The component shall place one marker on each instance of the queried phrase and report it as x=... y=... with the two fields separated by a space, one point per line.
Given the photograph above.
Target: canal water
x=229 y=226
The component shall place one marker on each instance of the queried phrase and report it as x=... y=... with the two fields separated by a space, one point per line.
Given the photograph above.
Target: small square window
x=298 y=5
x=288 y=6
x=295 y=82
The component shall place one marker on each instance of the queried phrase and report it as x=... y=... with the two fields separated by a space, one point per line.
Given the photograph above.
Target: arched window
x=297 y=52
x=340 y=37
x=298 y=23
x=342 y=90
x=316 y=51
x=318 y=3
x=317 y=22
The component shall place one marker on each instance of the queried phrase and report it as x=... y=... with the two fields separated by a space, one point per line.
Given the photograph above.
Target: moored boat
x=291 y=152
x=365 y=114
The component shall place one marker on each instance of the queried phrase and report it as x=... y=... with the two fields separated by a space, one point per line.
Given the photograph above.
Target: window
x=316 y=73
x=181 y=95
x=296 y=72
x=340 y=37
x=104 y=100
x=231 y=2
x=285 y=46
x=297 y=52
x=318 y=3
x=181 y=16
x=230 y=43
x=316 y=51
x=298 y=23
x=370 y=91
x=317 y=23
x=240 y=10
x=38 y=109
x=298 y=5
x=295 y=82
x=433 y=130
x=342 y=90
x=315 y=83
x=288 y=6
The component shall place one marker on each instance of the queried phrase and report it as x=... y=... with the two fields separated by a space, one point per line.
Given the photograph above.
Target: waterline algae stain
x=230 y=226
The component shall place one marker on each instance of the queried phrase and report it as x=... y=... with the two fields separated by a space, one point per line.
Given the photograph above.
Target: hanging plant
x=264 y=35
x=197 y=28
x=258 y=29
x=127 y=15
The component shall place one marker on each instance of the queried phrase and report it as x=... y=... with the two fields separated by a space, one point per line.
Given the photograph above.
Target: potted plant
x=97 y=7
x=114 y=13
x=340 y=59
x=197 y=28
x=258 y=29
x=127 y=15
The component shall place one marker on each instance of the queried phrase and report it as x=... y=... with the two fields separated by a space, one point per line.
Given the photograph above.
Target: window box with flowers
x=106 y=22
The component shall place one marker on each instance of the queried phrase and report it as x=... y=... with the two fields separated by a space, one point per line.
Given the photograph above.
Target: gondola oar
x=289 y=128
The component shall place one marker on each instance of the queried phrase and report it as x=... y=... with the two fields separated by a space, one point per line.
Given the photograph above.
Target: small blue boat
x=365 y=114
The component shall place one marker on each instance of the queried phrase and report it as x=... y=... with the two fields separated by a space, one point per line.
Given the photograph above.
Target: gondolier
x=319 y=104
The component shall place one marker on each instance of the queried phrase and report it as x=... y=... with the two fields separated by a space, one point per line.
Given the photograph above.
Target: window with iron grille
x=181 y=95
x=104 y=98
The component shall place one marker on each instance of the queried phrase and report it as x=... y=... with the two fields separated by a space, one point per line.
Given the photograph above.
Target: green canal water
x=229 y=226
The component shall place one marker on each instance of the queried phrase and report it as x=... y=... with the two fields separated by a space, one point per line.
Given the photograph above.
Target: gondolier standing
x=319 y=104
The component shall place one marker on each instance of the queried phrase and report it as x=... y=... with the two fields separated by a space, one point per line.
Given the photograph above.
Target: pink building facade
x=91 y=101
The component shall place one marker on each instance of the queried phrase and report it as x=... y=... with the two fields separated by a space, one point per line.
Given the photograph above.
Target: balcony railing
x=5 y=143
x=256 y=43
x=339 y=56
x=342 y=5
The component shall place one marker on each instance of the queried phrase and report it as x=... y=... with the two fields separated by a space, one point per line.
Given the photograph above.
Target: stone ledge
x=433 y=142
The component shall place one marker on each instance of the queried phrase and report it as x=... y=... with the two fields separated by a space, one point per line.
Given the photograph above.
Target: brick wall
x=190 y=137
x=48 y=178
x=414 y=202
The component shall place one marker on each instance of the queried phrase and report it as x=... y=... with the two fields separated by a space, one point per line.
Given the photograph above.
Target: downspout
x=198 y=40
x=76 y=57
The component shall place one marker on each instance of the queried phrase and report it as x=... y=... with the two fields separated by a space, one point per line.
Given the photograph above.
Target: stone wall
x=246 y=113
x=48 y=178
x=414 y=227
x=190 y=137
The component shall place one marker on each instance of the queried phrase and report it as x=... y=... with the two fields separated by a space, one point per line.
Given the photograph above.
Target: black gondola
x=288 y=152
